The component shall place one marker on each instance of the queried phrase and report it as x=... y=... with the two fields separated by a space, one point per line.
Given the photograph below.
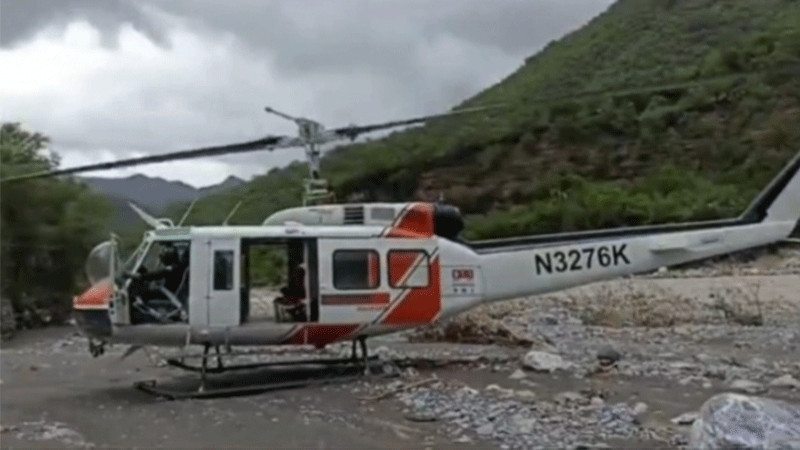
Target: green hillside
x=686 y=152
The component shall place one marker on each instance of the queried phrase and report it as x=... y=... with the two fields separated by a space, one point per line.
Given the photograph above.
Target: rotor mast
x=312 y=135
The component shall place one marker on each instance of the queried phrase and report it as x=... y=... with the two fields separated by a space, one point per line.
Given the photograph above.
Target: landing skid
x=328 y=371
x=151 y=387
x=298 y=362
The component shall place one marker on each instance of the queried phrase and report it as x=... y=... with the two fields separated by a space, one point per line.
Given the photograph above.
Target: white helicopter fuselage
x=379 y=268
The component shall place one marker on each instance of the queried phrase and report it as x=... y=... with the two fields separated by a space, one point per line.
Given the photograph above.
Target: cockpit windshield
x=99 y=261
x=164 y=253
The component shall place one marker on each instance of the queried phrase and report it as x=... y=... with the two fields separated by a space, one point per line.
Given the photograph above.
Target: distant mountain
x=152 y=194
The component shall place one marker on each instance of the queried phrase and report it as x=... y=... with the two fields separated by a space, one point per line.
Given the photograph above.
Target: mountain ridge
x=153 y=194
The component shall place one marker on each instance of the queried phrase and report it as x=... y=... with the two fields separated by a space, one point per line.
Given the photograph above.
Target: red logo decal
x=463 y=274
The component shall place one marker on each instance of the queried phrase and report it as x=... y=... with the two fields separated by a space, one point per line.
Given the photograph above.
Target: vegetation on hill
x=47 y=229
x=638 y=156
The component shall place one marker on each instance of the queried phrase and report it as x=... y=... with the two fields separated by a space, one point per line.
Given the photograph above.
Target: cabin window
x=223 y=270
x=356 y=269
x=409 y=269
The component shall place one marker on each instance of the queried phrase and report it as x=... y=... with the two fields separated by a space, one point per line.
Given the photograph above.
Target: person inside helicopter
x=162 y=294
x=294 y=294
x=292 y=302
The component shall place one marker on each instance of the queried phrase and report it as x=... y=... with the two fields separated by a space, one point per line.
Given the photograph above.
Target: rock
x=662 y=270
x=740 y=421
x=518 y=374
x=597 y=402
x=747 y=386
x=523 y=425
x=544 y=362
x=485 y=430
x=390 y=370
x=525 y=395
x=608 y=355
x=420 y=415
x=503 y=392
x=785 y=381
x=639 y=408
x=568 y=397
x=467 y=391
x=685 y=418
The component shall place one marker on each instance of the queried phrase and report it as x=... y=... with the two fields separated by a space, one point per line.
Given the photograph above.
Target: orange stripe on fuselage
x=420 y=305
x=417 y=222
x=401 y=262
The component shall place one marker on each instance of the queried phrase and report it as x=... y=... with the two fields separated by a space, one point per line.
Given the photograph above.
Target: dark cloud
x=22 y=19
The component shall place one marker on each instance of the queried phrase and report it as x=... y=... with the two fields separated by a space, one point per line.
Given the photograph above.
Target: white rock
x=596 y=402
x=747 y=386
x=568 y=397
x=503 y=392
x=485 y=430
x=518 y=374
x=524 y=425
x=468 y=391
x=685 y=418
x=786 y=381
x=525 y=395
x=639 y=408
x=739 y=421
x=544 y=362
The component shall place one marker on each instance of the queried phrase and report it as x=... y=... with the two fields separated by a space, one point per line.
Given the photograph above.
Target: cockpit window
x=163 y=253
x=356 y=269
x=223 y=270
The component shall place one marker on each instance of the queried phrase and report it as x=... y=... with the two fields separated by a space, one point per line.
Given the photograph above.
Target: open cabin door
x=215 y=280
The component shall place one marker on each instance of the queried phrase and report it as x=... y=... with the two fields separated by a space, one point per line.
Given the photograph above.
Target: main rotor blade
x=266 y=143
x=353 y=131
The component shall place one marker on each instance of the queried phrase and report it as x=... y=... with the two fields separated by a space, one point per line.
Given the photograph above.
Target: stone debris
x=740 y=421
x=50 y=431
x=510 y=423
x=497 y=390
x=685 y=418
x=748 y=386
x=544 y=362
x=639 y=409
x=518 y=374
x=608 y=355
x=785 y=381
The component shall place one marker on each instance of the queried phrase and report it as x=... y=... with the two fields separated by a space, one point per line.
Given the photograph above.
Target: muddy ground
x=679 y=336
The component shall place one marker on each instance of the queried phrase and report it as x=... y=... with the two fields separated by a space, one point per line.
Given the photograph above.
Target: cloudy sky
x=109 y=79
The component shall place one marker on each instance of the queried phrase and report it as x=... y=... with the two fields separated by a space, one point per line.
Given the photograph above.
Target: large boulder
x=740 y=421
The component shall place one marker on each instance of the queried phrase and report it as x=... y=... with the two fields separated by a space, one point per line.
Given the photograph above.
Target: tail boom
x=541 y=264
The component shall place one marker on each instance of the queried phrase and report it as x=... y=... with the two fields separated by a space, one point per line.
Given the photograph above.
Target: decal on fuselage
x=585 y=258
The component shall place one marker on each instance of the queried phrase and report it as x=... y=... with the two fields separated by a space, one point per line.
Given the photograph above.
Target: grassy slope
x=597 y=161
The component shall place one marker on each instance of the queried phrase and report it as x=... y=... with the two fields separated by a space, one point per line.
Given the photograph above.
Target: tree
x=47 y=228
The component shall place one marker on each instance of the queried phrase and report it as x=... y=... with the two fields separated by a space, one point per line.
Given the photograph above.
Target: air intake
x=354 y=215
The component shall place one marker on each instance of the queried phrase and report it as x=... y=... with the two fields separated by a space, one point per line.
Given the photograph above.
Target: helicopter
x=360 y=270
